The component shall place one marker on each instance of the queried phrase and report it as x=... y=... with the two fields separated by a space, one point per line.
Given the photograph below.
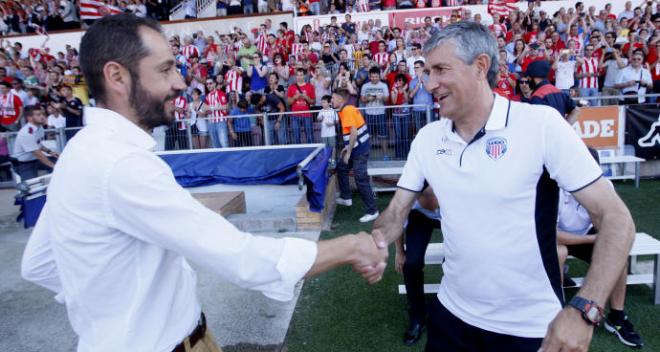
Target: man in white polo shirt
x=495 y=166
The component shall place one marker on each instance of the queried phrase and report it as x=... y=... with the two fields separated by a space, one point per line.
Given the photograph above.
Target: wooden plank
x=223 y=203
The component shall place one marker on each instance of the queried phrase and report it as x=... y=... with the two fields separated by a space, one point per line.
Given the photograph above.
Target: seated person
x=28 y=150
x=422 y=220
x=576 y=236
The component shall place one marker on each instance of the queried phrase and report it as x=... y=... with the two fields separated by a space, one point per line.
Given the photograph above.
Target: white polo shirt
x=499 y=200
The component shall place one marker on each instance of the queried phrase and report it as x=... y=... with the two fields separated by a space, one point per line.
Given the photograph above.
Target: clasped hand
x=370 y=261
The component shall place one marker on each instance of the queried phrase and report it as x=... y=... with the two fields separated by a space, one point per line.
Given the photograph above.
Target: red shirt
x=528 y=60
x=10 y=108
x=504 y=88
x=301 y=104
x=391 y=77
x=626 y=47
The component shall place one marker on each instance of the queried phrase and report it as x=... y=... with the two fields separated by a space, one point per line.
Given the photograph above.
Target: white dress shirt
x=114 y=235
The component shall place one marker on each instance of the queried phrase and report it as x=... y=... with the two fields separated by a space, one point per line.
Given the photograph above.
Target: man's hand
x=568 y=332
x=369 y=260
x=345 y=155
x=233 y=134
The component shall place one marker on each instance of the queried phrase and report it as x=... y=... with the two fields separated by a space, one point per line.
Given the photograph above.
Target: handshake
x=369 y=259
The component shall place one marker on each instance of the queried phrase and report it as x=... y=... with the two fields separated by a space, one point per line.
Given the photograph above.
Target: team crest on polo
x=496 y=147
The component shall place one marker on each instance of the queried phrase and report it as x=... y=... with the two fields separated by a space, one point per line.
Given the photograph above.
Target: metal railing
x=392 y=129
x=618 y=98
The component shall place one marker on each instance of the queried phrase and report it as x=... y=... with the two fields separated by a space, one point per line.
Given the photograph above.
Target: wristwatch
x=591 y=312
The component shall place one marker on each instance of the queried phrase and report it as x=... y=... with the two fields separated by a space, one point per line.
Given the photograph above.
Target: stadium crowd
x=274 y=69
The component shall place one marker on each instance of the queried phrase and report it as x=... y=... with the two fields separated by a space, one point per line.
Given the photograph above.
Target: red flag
x=501 y=7
x=94 y=9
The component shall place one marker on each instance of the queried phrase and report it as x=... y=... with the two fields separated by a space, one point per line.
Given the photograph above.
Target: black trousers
x=418 y=236
x=448 y=333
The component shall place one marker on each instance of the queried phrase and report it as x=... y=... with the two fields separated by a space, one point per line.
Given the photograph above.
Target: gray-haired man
x=495 y=166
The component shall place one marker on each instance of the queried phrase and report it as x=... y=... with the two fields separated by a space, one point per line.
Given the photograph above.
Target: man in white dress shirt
x=115 y=234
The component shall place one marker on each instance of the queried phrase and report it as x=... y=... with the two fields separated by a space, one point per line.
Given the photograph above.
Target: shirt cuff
x=296 y=259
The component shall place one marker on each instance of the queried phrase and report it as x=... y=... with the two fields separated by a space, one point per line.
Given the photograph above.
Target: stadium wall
x=416 y=16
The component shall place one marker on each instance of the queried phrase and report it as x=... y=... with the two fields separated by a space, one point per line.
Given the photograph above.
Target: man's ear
x=483 y=65
x=117 y=80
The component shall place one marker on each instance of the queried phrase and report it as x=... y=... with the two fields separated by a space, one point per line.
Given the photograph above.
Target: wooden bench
x=643 y=245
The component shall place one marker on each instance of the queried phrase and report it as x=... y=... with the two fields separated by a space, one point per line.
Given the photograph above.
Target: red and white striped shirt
x=234 y=81
x=189 y=51
x=578 y=41
x=590 y=66
x=296 y=49
x=261 y=43
x=93 y=9
x=498 y=29
x=363 y=5
x=381 y=58
x=217 y=99
x=181 y=103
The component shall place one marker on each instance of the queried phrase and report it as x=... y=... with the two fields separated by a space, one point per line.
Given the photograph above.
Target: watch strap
x=585 y=306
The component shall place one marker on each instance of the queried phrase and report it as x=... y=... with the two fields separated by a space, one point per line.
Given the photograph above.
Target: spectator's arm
x=43 y=158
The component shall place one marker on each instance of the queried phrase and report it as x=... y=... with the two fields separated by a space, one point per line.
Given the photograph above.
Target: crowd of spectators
x=31 y=16
x=275 y=69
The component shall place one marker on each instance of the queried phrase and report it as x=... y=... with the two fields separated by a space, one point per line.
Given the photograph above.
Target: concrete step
x=264 y=222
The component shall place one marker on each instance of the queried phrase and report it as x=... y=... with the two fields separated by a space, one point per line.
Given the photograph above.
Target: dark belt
x=194 y=337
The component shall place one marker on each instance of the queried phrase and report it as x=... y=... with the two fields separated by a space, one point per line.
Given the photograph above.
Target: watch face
x=593 y=314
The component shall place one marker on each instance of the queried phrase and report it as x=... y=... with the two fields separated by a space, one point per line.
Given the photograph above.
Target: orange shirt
x=350 y=116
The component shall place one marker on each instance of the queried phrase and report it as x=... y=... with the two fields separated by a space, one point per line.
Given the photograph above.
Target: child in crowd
x=328 y=117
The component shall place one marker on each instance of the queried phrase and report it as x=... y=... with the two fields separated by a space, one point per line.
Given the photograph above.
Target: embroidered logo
x=496 y=147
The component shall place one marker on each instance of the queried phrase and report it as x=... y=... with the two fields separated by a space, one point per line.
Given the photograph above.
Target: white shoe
x=369 y=217
x=346 y=202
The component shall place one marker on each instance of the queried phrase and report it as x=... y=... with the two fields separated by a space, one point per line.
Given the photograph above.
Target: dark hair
x=284 y=24
x=112 y=38
x=255 y=99
x=374 y=70
x=326 y=98
x=31 y=109
x=5 y=83
x=344 y=93
x=401 y=77
x=419 y=62
x=242 y=104
x=197 y=90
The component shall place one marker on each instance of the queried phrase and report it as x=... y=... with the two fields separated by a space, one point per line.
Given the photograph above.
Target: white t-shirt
x=380 y=90
x=499 y=198
x=628 y=74
x=565 y=74
x=28 y=140
x=612 y=72
x=329 y=120
x=56 y=121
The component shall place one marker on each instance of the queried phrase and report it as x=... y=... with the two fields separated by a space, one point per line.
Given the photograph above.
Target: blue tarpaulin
x=30 y=209
x=316 y=179
x=236 y=167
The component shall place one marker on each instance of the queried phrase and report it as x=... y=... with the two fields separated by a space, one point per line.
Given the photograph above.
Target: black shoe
x=413 y=334
x=568 y=282
x=625 y=331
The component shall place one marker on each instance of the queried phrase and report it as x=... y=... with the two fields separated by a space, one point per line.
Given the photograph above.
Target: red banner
x=416 y=17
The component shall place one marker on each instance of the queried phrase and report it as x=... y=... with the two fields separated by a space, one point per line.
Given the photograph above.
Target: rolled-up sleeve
x=144 y=201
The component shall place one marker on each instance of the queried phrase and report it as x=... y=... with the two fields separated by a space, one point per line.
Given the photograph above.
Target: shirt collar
x=499 y=115
x=125 y=129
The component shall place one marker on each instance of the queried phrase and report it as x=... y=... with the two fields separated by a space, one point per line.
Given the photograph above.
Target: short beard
x=149 y=110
